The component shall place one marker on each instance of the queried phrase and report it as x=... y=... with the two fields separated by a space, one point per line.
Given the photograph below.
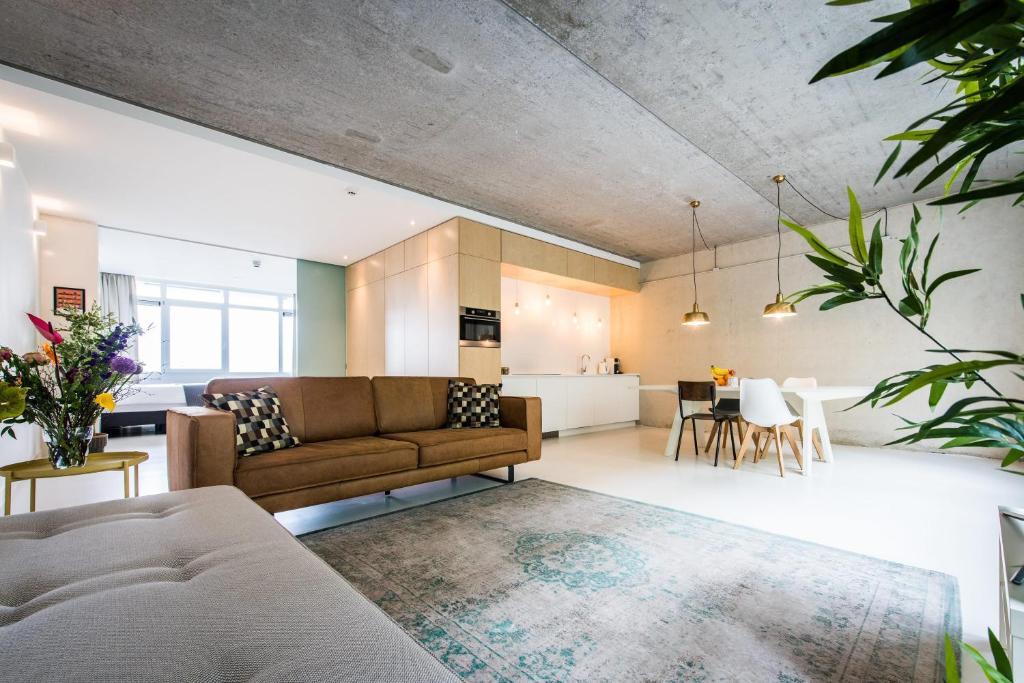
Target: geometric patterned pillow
x=472 y=405
x=260 y=426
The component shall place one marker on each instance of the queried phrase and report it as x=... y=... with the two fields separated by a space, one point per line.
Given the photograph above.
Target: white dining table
x=808 y=404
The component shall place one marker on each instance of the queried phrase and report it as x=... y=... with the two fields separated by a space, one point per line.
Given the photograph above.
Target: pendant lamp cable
x=778 y=229
x=884 y=210
x=693 y=250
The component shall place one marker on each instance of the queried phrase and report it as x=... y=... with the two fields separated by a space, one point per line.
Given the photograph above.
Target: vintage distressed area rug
x=536 y=581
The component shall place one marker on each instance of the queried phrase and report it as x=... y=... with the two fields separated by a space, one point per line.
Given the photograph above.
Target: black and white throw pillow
x=472 y=405
x=260 y=426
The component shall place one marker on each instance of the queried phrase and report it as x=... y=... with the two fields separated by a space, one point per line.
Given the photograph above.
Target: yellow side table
x=42 y=469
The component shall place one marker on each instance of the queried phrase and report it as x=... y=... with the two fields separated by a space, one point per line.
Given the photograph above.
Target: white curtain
x=117 y=297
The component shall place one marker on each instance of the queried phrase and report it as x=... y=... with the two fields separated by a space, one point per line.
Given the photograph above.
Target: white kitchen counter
x=579 y=402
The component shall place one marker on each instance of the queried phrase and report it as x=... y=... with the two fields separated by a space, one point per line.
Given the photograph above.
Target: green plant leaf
x=815 y=244
x=1000 y=189
x=875 y=250
x=919 y=135
x=944 y=372
x=935 y=393
x=946 y=277
x=860 y=250
x=991 y=673
x=952 y=666
x=916 y=23
x=1012 y=457
x=889 y=161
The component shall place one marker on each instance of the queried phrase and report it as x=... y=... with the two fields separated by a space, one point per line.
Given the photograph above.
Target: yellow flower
x=106 y=401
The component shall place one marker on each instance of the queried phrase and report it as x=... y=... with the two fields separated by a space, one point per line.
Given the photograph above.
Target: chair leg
x=744 y=445
x=778 y=450
x=711 y=437
x=718 y=443
x=732 y=438
x=816 y=440
x=796 y=449
x=696 y=449
x=679 y=441
x=760 y=449
x=800 y=428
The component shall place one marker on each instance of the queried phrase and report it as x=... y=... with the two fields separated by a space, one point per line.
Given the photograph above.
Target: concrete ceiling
x=593 y=121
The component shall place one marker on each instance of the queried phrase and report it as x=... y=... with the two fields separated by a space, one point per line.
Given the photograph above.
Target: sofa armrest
x=201 y=448
x=523 y=413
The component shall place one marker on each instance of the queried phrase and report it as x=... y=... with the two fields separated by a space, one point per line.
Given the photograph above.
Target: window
x=195 y=333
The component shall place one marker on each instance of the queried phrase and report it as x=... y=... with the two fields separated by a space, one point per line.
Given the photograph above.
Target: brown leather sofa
x=358 y=436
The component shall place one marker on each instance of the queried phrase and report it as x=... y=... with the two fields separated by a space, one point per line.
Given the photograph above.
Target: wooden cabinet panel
x=553 y=397
x=394 y=259
x=374 y=328
x=416 y=250
x=477 y=239
x=394 y=325
x=355 y=312
x=417 y=301
x=443 y=240
x=482 y=364
x=355 y=275
x=616 y=275
x=443 y=317
x=374 y=268
x=479 y=282
x=530 y=253
x=580 y=266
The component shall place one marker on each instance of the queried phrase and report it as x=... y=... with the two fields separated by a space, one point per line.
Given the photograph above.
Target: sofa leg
x=510 y=480
x=388 y=492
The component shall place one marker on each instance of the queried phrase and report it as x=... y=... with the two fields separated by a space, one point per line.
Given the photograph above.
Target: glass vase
x=68 y=448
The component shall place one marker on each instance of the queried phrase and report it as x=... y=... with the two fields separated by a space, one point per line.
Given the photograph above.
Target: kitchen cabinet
x=416 y=323
x=479 y=283
x=443 y=317
x=480 y=363
x=579 y=401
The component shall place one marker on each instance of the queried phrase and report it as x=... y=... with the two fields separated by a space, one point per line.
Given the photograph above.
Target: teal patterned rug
x=536 y=581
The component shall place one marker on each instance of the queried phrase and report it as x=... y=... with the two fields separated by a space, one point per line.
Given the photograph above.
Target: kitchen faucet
x=584 y=363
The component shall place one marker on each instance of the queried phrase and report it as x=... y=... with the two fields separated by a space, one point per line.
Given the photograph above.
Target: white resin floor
x=936 y=511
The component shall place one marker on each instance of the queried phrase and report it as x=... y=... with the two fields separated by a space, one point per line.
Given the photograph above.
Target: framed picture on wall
x=64 y=297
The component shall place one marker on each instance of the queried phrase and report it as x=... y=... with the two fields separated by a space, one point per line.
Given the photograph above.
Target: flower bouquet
x=78 y=373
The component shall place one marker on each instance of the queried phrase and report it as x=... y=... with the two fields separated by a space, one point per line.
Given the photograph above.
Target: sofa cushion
x=198 y=585
x=260 y=427
x=403 y=404
x=472 y=405
x=323 y=462
x=288 y=390
x=337 y=407
x=439 y=446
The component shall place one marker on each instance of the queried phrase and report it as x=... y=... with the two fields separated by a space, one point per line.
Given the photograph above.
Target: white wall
x=543 y=338
x=161 y=258
x=855 y=344
x=17 y=287
x=68 y=257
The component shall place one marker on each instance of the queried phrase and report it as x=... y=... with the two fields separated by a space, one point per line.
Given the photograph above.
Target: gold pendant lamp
x=695 y=317
x=780 y=308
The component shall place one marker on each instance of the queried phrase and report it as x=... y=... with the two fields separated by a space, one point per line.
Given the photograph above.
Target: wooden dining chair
x=764 y=410
x=805 y=383
x=704 y=392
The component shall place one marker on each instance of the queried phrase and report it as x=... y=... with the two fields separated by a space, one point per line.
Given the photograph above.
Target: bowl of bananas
x=722 y=376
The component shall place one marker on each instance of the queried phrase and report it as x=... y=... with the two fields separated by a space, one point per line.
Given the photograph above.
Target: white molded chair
x=805 y=383
x=764 y=410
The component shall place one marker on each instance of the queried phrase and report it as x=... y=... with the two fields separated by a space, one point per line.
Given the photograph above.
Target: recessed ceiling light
x=345 y=257
x=412 y=222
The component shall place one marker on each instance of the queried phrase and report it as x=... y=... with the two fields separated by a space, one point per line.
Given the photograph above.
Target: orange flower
x=50 y=353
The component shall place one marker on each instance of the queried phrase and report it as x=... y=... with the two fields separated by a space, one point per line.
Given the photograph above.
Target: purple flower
x=123 y=365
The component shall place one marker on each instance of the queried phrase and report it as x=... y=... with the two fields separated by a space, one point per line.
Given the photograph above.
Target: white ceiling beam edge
x=345 y=177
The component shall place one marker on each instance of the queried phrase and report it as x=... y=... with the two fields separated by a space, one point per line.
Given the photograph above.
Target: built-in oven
x=479 y=327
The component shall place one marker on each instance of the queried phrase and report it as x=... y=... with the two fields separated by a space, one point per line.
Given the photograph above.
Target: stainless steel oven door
x=479 y=327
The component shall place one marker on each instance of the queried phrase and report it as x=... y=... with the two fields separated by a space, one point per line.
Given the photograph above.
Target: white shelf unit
x=579 y=401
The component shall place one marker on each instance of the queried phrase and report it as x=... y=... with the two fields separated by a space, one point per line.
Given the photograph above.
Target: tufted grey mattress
x=197 y=585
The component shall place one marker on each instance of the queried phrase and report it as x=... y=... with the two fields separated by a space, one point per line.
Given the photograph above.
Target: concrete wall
x=543 y=337
x=17 y=288
x=68 y=257
x=320 y=319
x=855 y=344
